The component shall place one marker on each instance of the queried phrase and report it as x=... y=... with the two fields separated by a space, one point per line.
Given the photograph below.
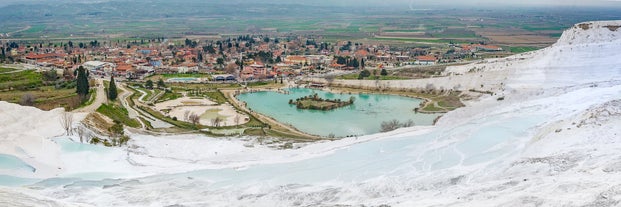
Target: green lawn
x=437 y=41
x=22 y=80
x=119 y=114
x=216 y=96
x=4 y=70
x=523 y=49
x=169 y=96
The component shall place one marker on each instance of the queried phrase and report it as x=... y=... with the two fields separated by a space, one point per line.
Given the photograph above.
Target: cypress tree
x=82 y=87
x=112 y=90
x=384 y=72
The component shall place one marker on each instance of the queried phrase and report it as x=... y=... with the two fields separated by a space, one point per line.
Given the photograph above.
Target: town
x=241 y=59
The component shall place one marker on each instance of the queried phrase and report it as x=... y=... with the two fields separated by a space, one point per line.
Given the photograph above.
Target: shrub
x=27 y=100
x=391 y=125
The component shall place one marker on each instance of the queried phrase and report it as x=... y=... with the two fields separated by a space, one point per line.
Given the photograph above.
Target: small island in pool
x=314 y=102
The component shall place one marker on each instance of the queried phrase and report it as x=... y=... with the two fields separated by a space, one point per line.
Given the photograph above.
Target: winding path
x=134 y=113
x=100 y=98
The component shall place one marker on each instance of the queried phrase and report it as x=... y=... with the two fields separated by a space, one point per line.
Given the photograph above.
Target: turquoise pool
x=361 y=118
x=182 y=79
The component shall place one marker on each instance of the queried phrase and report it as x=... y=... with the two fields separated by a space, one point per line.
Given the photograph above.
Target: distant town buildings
x=240 y=58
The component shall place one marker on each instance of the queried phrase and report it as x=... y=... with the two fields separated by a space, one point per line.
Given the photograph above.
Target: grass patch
x=169 y=96
x=119 y=114
x=216 y=96
x=23 y=80
x=523 y=49
x=258 y=83
x=437 y=41
x=146 y=122
x=4 y=70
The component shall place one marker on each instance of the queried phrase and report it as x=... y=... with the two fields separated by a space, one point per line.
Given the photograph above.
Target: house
x=295 y=59
x=98 y=67
x=426 y=60
x=124 y=69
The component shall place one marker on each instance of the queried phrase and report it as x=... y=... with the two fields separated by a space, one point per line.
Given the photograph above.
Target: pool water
x=361 y=118
x=182 y=79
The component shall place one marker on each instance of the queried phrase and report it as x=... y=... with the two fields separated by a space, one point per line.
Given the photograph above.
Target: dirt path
x=100 y=98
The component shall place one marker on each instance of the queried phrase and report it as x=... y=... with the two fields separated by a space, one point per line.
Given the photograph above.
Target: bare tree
x=390 y=125
x=237 y=119
x=66 y=119
x=231 y=69
x=194 y=119
x=329 y=79
x=216 y=121
x=186 y=115
x=28 y=100
x=430 y=87
x=408 y=123
x=81 y=133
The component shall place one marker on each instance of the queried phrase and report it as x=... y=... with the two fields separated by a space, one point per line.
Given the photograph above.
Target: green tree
x=355 y=63
x=149 y=84
x=112 y=90
x=82 y=86
x=364 y=73
x=50 y=75
x=384 y=72
x=160 y=83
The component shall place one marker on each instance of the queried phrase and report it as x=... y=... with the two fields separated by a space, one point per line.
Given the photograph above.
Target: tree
x=194 y=119
x=160 y=83
x=50 y=75
x=81 y=133
x=329 y=79
x=116 y=131
x=66 y=119
x=384 y=72
x=237 y=119
x=216 y=121
x=82 y=87
x=220 y=61
x=149 y=84
x=355 y=63
x=231 y=69
x=112 y=94
x=391 y=125
x=28 y=100
x=363 y=74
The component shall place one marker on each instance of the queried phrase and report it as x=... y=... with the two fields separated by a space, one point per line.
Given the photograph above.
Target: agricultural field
x=29 y=88
x=6 y=70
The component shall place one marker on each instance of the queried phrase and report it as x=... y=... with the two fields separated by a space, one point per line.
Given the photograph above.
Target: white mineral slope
x=553 y=141
x=22 y=134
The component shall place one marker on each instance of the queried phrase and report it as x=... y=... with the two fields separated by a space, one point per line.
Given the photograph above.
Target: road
x=100 y=98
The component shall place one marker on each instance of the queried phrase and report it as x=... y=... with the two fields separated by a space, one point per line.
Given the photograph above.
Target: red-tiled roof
x=426 y=58
x=124 y=67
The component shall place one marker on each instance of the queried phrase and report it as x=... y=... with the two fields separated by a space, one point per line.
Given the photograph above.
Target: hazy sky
x=412 y=3
x=488 y=2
